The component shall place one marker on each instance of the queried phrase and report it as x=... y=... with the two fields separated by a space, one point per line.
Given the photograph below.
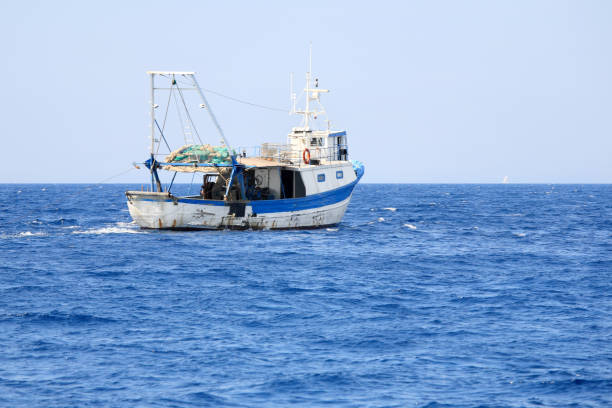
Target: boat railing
x=288 y=154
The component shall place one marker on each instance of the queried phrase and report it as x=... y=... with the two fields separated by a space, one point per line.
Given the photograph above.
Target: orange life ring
x=306 y=156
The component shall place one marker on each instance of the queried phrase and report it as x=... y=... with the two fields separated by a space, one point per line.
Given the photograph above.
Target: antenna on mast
x=310 y=57
x=292 y=95
x=307 y=111
x=311 y=94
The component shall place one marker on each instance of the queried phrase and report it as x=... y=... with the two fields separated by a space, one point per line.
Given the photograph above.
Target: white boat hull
x=164 y=211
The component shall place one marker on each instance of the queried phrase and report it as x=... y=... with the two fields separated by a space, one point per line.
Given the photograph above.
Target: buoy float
x=306 y=156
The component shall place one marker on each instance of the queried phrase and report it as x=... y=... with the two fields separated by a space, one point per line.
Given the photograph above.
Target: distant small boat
x=306 y=183
x=505 y=181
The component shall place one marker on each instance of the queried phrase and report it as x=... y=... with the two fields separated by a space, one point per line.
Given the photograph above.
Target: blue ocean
x=424 y=296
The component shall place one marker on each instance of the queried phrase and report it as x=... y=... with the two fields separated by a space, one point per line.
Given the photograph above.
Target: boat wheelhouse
x=306 y=183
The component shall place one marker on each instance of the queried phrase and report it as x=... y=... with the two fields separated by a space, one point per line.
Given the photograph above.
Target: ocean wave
x=63 y=221
x=25 y=234
x=205 y=397
x=573 y=384
x=118 y=228
x=32 y=234
x=59 y=221
x=55 y=316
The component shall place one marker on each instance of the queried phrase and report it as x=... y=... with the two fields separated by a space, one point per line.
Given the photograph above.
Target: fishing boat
x=305 y=183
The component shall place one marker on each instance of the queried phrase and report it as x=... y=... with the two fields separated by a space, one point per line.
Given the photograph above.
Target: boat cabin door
x=341 y=147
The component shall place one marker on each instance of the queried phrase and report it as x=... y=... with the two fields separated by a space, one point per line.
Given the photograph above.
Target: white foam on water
x=25 y=234
x=412 y=227
x=331 y=229
x=390 y=209
x=519 y=234
x=109 y=230
x=475 y=227
x=31 y=234
x=19 y=192
x=126 y=224
x=43 y=189
x=118 y=228
x=381 y=219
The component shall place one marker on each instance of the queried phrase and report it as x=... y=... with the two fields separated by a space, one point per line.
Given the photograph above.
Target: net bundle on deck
x=197 y=154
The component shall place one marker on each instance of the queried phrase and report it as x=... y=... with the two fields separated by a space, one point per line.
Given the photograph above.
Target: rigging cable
x=164 y=123
x=188 y=115
x=238 y=100
x=58 y=205
x=178 y=113
x=191 y=184
x=161 y=132
x=245 y=102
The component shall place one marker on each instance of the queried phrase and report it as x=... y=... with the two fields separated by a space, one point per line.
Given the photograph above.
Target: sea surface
x=424 y=296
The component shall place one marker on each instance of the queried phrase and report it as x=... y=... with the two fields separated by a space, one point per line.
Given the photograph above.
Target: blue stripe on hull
x=285 y=205
x=305 y=203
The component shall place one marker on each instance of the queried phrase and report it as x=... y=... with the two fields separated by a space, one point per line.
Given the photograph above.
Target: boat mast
x=237 y=168
x=292 y=95
x=307 y=112
x=152 y=113
x=311 y=94
x=153 y=167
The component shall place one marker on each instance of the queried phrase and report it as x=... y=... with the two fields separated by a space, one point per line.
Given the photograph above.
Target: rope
x=164 y=123
x=71 y=196
x=167 y=108
x=192 y=177
x=245 y=102
x=116 y=175
x=178 y=113
x=257 y=105
x=161 y=132
x=188 y=115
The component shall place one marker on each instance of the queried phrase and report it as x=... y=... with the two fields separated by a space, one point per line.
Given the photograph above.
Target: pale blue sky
x=429 y=91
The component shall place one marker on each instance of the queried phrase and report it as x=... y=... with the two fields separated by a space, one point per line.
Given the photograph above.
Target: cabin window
x=320 y=178
x=339 y=174
x=316 y=141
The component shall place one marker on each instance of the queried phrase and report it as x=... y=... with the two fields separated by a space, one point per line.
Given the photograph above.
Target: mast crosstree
x=312 y=94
